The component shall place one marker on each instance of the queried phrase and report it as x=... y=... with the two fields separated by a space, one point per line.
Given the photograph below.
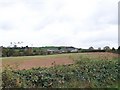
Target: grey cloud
x=6 y=3
x=42 y=5
x=52 y=19
x=105 y=15
x=42 y=24
x=6 y=26
x=102 y=40
x=108 y=11
x=34 y=4
x=119 y=13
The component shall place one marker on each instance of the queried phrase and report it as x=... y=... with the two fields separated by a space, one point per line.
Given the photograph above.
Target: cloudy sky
x=78 y=23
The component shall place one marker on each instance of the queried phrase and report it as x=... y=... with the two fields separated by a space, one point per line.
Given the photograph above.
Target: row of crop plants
x=82 y=74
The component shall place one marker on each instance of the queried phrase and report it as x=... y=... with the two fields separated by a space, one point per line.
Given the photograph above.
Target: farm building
x=61 y=49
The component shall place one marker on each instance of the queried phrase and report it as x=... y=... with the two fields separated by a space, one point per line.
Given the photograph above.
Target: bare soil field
x=37 y=62
x=28 y=62
x=44 y=63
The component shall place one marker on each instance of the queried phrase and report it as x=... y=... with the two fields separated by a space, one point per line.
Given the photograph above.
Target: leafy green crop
x=82 y=74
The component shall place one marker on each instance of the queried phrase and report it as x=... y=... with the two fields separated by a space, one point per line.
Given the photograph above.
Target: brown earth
x=46 y=62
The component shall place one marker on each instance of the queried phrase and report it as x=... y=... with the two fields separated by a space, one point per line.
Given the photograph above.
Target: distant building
x=61 y=49
x=72 y=49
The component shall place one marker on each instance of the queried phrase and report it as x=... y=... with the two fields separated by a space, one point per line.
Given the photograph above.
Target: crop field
x=74 y=70
x=27 y=62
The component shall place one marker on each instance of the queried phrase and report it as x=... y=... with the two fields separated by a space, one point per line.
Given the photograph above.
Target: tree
x=99 y=48
x=0 y=51
x=59 y=48
x=16 y=53
x=6 y=52
x=28 y=51
x=106 y=48
x=118 y=50
x=91 y=48
x=113 y=50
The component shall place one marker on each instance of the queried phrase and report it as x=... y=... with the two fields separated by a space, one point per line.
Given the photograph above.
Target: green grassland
x=35 y=57
x=90 y=70
x=100 y=56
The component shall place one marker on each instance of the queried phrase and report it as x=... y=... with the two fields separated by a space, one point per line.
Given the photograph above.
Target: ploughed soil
x=31 y=62
x=34 y=63
x=45 y=63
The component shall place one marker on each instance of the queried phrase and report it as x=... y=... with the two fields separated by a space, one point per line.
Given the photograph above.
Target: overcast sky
x=78 y=23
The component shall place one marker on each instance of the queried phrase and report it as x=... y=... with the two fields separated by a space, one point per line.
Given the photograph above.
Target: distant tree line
x=31 y=51
x=105 y=49
x=23 y=51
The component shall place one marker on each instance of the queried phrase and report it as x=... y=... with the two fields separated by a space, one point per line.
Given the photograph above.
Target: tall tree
x=118 y=50
x=91 y=48
x=113 y=50
x=106 y=48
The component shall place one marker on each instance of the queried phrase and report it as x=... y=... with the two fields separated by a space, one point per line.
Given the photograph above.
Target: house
x=64 y=49
x=72 y=49
x=51 y=51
